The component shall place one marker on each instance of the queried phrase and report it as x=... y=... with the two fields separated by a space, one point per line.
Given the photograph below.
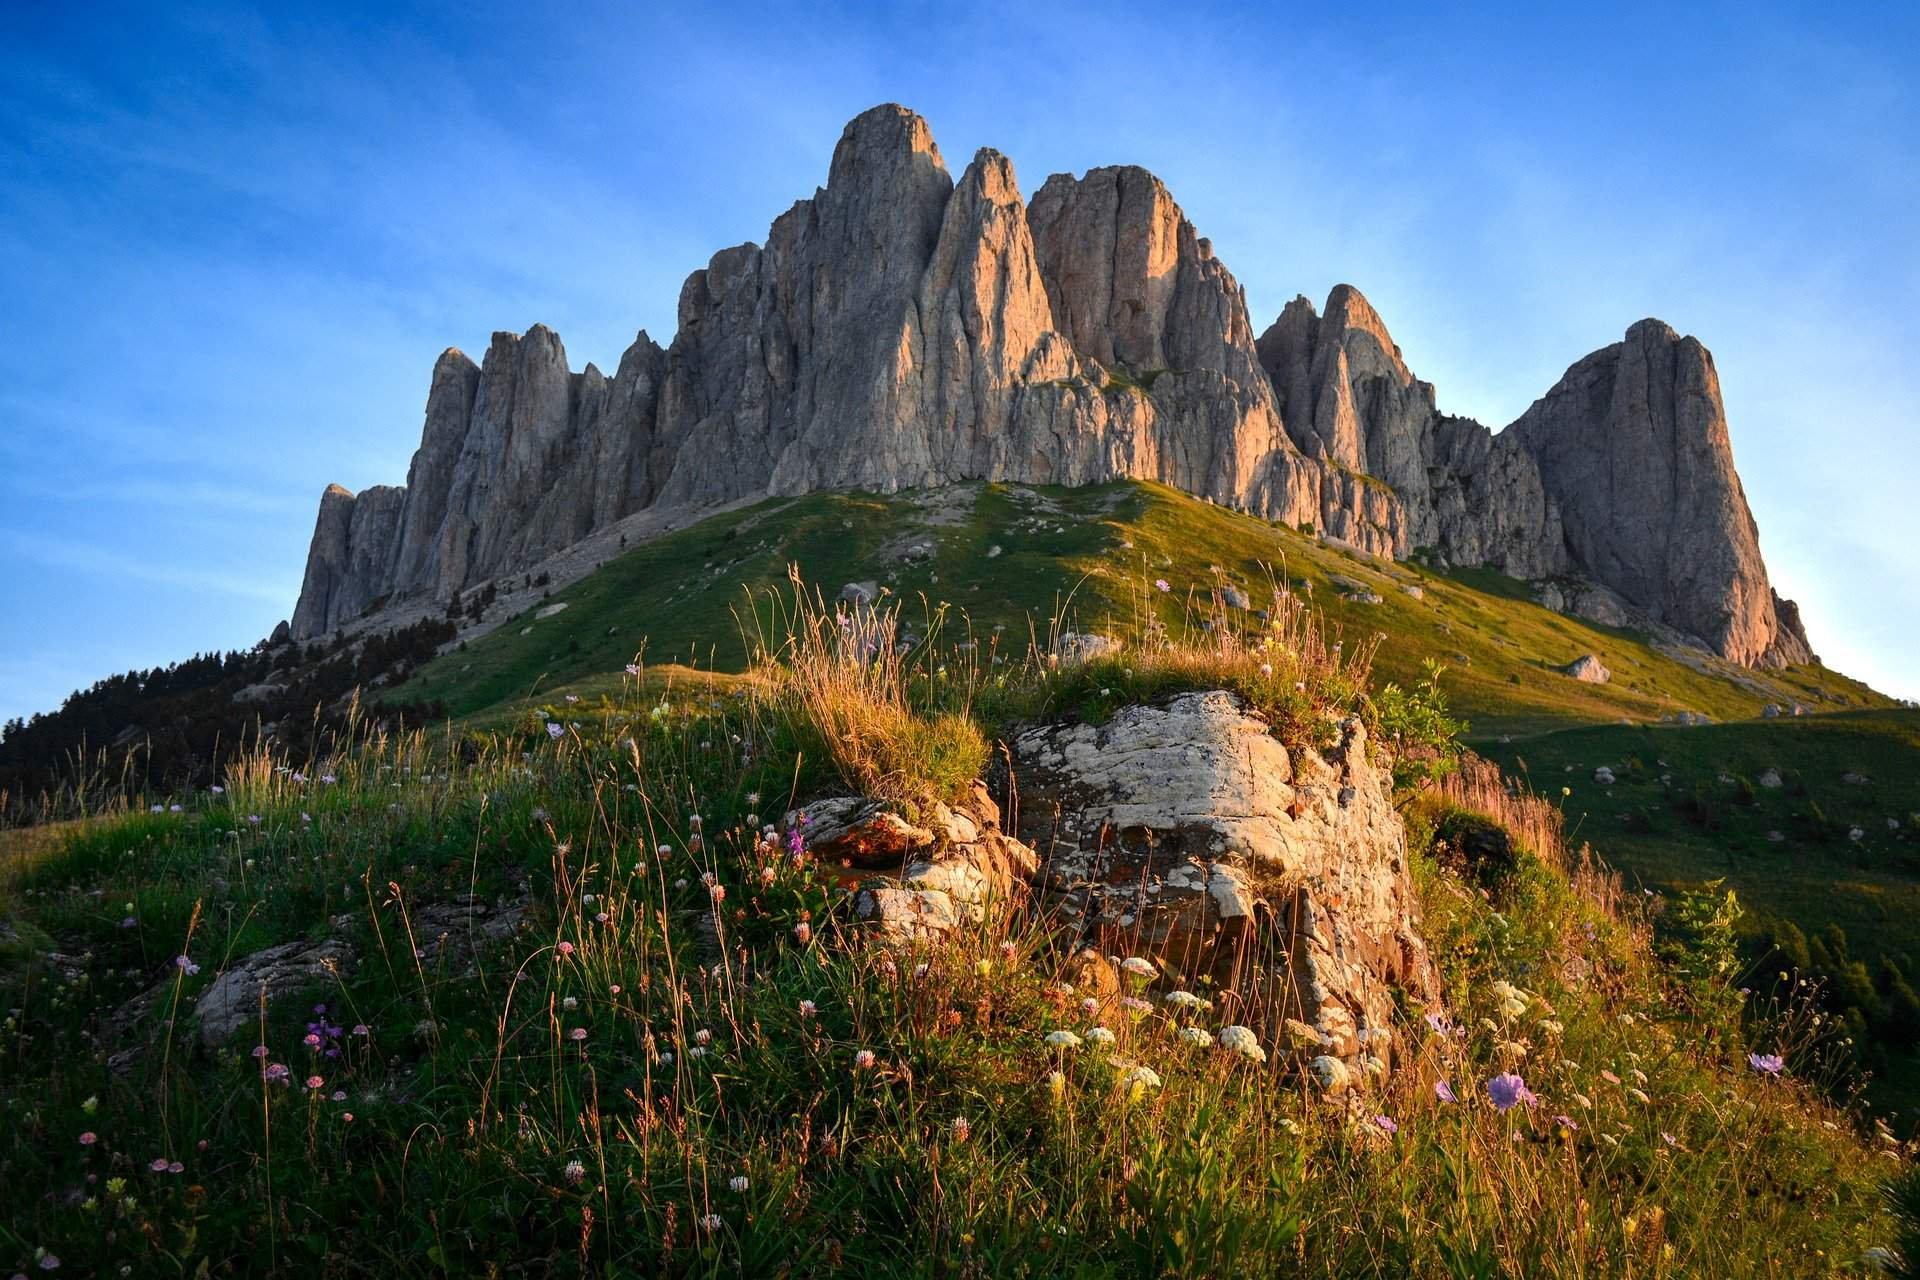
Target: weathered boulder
x=955 y=869
x=1588 y=669
x=1187 y=833
x=233 y=1000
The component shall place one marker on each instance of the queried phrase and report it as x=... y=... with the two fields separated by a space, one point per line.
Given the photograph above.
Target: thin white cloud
x=119 y=566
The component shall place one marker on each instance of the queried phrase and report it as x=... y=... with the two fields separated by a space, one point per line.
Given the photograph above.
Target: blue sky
x=233 y=240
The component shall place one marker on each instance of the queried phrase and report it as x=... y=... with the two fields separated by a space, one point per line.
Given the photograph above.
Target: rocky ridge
x=899 y=329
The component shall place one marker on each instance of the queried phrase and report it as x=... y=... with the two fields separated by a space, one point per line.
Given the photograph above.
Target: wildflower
x=711 y=1221
x=1638 y=1096
x=1552 y=1027
x=1609 y=1077
x=1089 y=1006
x=1198 y=1037
x=1444 y=1091
x=1329 y=1073
x=1062 y=1040
x=1439 y=1024
x=863 y=1060
x=1770 y=1064
x=565 y=948
x=1100 y=1036
x=276 y=1073
x=1138 y=1080
x=961 y=1129
x=1134 y=1005
x=1508 y=1090
x=1242 y=1041
x=1161 y=585
x=633 y=668
x=1266 y=670
x=983 y=966
x=88 y=1138
x=1566 y=1123
x=92 y=1104
x=1583 y=1101
x=185 y=965
x=719 y=892
x=1184 y=1000
x=808 y=1008
x=555 y=729
x=569 y=1002
x=1139 y=967
x=1056 y=1085
x=737 y=1183
x=1386 y=1125
x=361 y=1029
x=312 y=1040
x=314 y=1082
x=577 y=1034
x=575 y=1173
x=1513 y=1001
x=48 y=1262
x=159 y=1164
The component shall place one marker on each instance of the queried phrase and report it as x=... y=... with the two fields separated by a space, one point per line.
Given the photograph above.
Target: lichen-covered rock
x=954 y=870
x=1188 y=834
x=234 y=998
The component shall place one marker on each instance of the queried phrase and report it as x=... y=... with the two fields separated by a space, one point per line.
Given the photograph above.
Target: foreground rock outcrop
x=1274 y=878
x=900 y=329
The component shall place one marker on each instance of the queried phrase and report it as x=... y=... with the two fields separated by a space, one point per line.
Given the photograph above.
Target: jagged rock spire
x=898 y=329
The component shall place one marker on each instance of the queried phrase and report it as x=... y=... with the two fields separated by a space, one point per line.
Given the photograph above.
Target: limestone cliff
x=899 y=329
x=1632 y=445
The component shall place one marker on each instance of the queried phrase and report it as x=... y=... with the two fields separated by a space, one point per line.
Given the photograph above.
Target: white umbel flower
x=1242 y=1041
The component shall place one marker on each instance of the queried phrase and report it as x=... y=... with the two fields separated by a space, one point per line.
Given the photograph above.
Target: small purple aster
x=1386 y=1124
x=1767 y=1064
x=1444 y=1091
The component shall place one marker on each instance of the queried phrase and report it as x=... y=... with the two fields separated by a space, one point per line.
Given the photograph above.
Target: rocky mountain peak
x=1632 y=443
x=900 y=329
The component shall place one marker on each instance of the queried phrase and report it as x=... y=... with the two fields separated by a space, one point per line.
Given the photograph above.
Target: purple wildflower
x=1444 y=1091
x=1508 y=1090
x=186 y=965
x=1565 y=1122
x=1386 y=1124
x=1769 y=1064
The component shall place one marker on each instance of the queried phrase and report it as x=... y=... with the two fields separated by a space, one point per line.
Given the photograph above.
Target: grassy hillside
x=1835 y=845
x=684 y=1061
x=1015 y=557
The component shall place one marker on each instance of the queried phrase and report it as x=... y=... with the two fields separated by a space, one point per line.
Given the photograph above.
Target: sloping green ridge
x=1689 y=805
x=1089 y=556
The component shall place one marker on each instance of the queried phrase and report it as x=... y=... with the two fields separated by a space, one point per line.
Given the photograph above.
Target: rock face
x=899 y=329
x=1632 y=446
x=1190 y=835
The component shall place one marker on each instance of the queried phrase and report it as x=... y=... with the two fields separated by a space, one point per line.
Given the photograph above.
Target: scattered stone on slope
x=1588 y=669
x=233 y=999
x=1189 y=834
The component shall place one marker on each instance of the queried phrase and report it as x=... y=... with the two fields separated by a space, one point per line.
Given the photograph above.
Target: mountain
x=900 y=330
